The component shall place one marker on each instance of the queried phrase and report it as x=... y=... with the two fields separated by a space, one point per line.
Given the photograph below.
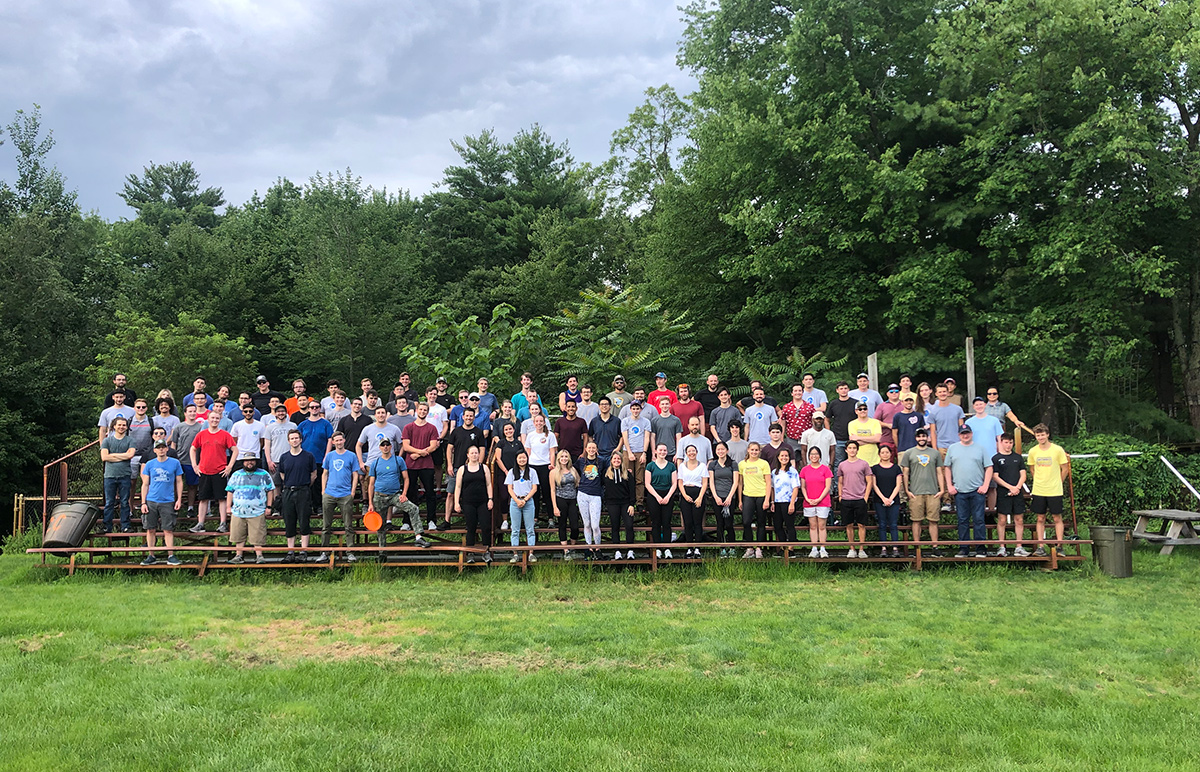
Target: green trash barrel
x=1113 y=550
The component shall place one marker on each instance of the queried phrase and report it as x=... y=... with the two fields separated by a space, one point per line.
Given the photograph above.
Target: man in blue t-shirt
x=946 y=418
x=339 y=478
x=387 y=491
x=162 y=494
x=968 y=473
x=315 y=433
x=605 y=431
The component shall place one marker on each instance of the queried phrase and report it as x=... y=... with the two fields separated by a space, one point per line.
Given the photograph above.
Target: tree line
x=849 y=177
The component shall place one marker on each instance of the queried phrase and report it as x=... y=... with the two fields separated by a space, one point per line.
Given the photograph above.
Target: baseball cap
x=863 y=375
x=910 y=398
x=893 y=387
x=979 y=399
x=862 y=406
x=920 y=432
x=964 y=429
x=660 y=374
x=619 y=378
x=818 y=414
x=950 y=380
x=261 y=379
x=635 y=403
x=441 y=379
x=473 y=395
x=385 y=441
x=161 y=444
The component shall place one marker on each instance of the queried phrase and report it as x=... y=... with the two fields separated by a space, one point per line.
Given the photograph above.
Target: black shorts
x=1043 y=504
x=212 y=487
x=1009 y=505
x=853 y=512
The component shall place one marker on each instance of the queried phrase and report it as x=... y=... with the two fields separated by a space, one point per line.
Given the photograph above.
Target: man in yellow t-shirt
x=867 y=432
x=756 y=494
x=1049 y=465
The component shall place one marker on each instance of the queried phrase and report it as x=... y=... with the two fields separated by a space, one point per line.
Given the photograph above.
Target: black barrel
x=69 y=524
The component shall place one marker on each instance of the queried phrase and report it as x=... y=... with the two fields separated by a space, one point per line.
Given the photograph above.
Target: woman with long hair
x=888 y=480
x=540 y=444
x=693 y=482
x=619 y=492
x=564 y=493
x=591 y=493
x=473 y=500
x=724 y=481
x=522 y=482
x=785 y=481
x=661 y=481
x=505 y=447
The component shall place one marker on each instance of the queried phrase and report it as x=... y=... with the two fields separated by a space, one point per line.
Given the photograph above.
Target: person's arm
x=324 y=480
x=704 y=485
x=987 y=480
x=674 y=485
x=1020 y=483
x=770 y=499
x=949 y=486
x=870 y=485
x=554 y=489
x=370 y=489
x=192 y=454
x=267 y=450
x=649 y=487
x=458 y=483
x=933 y=437
x=145 y=486
x=841 y=479
x=229 y=501
x=312 y=477
x=895 y=494
x=562 y=402
x=824 y=406
x=1064 y=470
x=178 y=491
x=358 y=449
x=233 y=459
x=1010 y=415
x=624 y=443
x=824 y=491
x=487 y=480
x=450 y=465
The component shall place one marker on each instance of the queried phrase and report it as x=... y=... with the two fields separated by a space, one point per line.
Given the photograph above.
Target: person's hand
x=458 y=507
x=271 y=465
x=952 y=490
x=225 y=472
x=982 y=489
x=403 y=498
x=791 y=507
x=490 y=504
x=179 y=503
x=629 y=455
x=146 y=509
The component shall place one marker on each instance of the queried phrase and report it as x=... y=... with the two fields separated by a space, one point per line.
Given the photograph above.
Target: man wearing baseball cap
x=885 y=414
x=261 y=399
x=906 y=424
x=864 y=393
x=968 y=473
x=660 y=391
x=618 y=397
x=955 y=399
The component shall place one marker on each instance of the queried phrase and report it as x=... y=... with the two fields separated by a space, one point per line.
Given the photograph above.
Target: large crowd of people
x=506 y=465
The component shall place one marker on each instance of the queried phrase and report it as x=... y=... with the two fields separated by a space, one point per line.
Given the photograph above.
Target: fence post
x=873 y=370
x=970 y=372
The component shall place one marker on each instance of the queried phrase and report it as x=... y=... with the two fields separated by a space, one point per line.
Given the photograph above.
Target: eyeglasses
x=248 y=410
x=993 y=393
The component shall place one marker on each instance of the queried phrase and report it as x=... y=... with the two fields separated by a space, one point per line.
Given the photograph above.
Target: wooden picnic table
x=1178 y=528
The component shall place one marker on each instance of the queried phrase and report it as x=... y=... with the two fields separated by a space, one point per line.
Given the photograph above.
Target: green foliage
x=777 y=374
x=168 y=194
x=646 y=148
x=1109 y=488
x=609 y=332
x=40 y=188
x=464 y=351
x=155 y=356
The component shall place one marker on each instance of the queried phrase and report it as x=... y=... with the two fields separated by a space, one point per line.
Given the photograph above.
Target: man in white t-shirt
x=820 y=438
x=248 y=433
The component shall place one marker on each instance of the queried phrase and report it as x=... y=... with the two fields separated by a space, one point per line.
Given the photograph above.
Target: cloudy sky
x=252 y=91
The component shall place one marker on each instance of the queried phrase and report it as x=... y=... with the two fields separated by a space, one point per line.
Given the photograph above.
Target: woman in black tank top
x=473 y=499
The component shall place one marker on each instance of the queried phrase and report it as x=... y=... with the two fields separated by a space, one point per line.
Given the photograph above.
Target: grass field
x=726 y=666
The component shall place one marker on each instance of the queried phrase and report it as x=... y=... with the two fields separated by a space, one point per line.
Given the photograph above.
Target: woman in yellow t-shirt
x=755 y=496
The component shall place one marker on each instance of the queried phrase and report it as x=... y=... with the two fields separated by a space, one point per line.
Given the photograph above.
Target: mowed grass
x=726 y=666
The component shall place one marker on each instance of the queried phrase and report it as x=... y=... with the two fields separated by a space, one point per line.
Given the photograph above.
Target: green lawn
x=729 y=666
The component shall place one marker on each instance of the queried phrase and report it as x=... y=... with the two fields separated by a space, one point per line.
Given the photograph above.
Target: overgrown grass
x=731 y=665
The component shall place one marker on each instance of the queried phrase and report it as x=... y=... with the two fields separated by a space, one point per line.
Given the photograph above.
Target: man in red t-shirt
x=660 y=391
x=687 y=408
x=797 y=415
x=885 y=414
x=419 y=441
x=212 y=460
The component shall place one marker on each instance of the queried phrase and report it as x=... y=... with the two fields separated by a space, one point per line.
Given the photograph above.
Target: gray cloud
x=252 y=91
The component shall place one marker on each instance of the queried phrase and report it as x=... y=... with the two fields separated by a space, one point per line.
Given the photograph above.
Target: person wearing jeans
x=522 y=483
x=888 y=481
x=116 y=451
x=968 y=473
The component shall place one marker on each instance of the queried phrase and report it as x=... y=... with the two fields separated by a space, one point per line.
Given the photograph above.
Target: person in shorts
x=854 y=488
x=1009 y=475
x=248 y=497
x=162 y=495
x=922 y=468
x=817 y=479
x=210 y=457
x=1050 y=466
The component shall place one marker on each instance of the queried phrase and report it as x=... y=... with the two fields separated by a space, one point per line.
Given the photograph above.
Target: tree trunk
x=1048 y=406
x=1185 y=334
x=1162 y=369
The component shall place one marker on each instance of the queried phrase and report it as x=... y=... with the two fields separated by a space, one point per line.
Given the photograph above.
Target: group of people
x=503 y=464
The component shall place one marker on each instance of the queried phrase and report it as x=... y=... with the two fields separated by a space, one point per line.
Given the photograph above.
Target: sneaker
x=758 y=553
x=749 y=553
x=532 y=558
x=936 y=552
x=197 y=528
x=853 y=553
x=515 y=558
x=962 y=554
x=814 y=553
x=754 y=526
x=260 y=560
x=173 y=561
x=237 y=559
x=303 y=556
x=567 y=555
x=322 y=557
x=387 y=525
x=946 y=507
x=470 y=560
x=421 y=541
x=405 y=527
x=127 y=529
x=883 y=552
x=617 y=556
x=291 y=557
x=352 y=557
x=443 y=525
x=895 y=552
x=980 y=554
x=674 y=536
x=668 y=555
x=106 y=529
x=1040 y=552
x=658 y=553
x=1021 y=552
x=223 y=528
x=487 y=557
x=552 y=523
x=150 y=560
x=824 y=554
x=504 y=526
x=1000 y=553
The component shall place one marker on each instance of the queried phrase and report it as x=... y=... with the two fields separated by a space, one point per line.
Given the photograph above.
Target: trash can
x=1113 y=550
x=69 y=524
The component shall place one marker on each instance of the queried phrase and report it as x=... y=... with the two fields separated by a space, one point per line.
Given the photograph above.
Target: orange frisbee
x=372 y=521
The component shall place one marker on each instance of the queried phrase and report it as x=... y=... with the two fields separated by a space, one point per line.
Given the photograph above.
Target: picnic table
x=1178 y=528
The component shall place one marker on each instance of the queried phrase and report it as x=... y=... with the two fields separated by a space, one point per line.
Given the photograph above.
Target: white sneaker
x=1021 y=552
x=515 y=559
x=824 y=554
x=674 y=536
x=532 y=558
x=758 y=552
x=668 y=555
x=814 y=553
x=852 y=553
x=658 y=553
x=504 y=526
x=617 y=556
x=406 y=527
x=862 y=553
x=748 y=554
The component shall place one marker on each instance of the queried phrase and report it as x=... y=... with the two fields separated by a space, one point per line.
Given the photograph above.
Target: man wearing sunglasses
x=248 y=433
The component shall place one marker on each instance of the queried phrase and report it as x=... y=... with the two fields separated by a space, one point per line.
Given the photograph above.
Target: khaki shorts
x=928 y=507
x=248 y=529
